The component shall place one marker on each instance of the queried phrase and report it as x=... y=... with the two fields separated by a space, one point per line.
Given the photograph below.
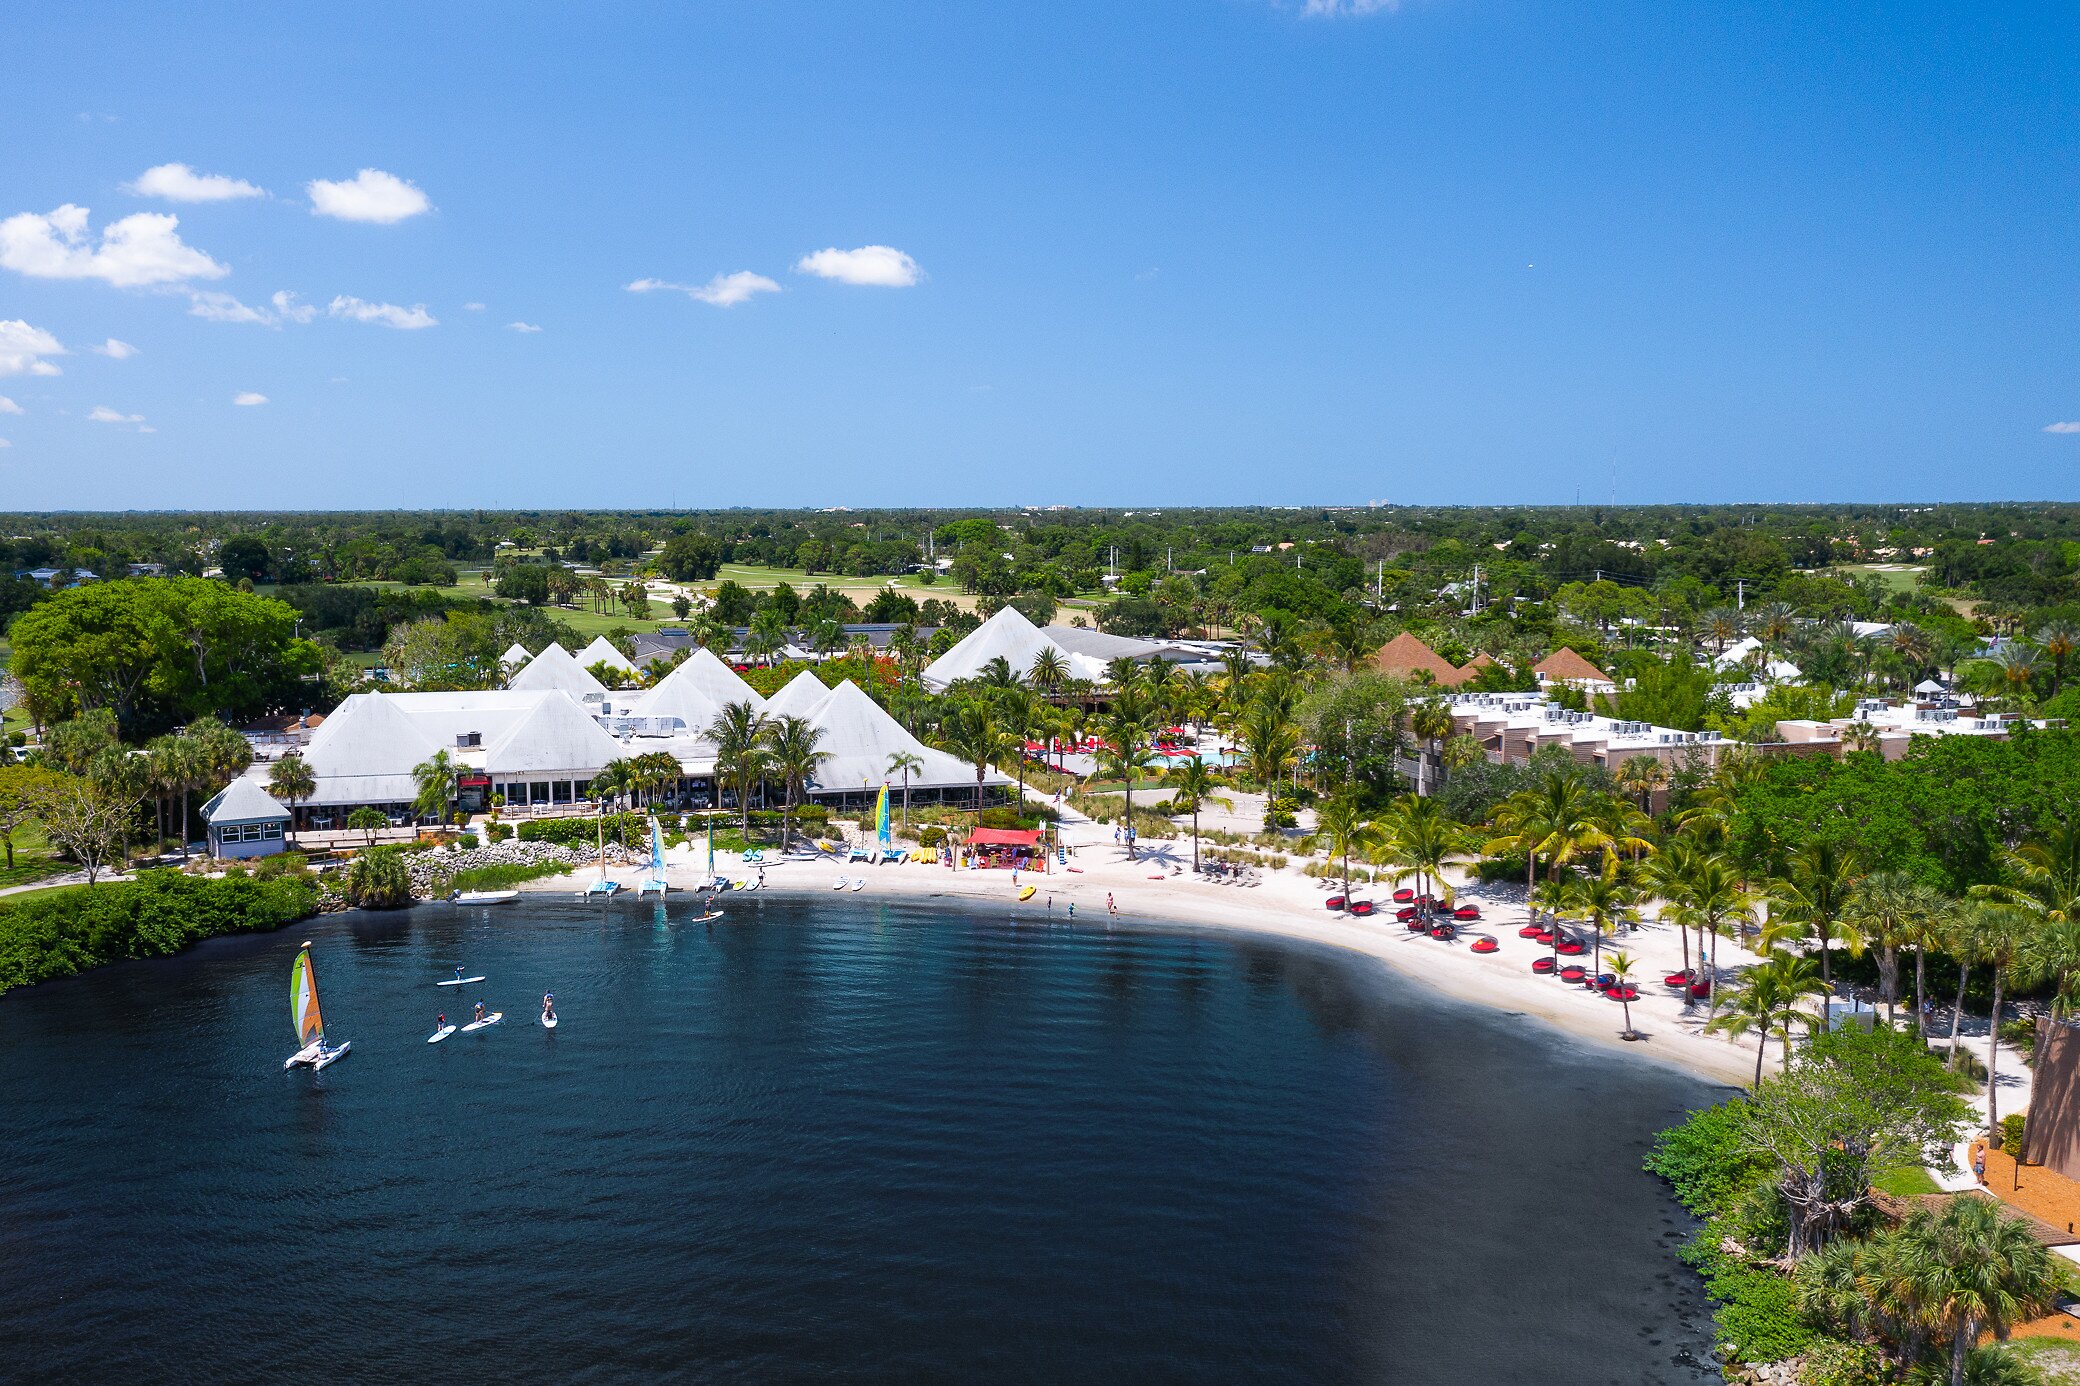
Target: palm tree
x=1430 y=721
x=738 y=732
x=1126 y=753
x=435 y=778
x=1889 y=910
x=1967 y=1271
x=1050 y=670
x=368 y=822
x=1417 y=838
x=1641 y=776
x=291 y=779
x=1821 y=881
x=2058 y=639
x=1710 y=896
x=1020 y=712
x=1999 y=933
x=1194 y=785
x=905 y=763
x=655 y=772
x=791 y=743
x=1770 y=1000
x=1272 y=742
x=2043 y=873
x=1558 y=819
x=1620 y=964
x=1605 y=900
x=1341 y=826
x=974 y=734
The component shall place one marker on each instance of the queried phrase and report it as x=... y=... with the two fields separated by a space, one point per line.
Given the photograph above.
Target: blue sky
x=1225 y=251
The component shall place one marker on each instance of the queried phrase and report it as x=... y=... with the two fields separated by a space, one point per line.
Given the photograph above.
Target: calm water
x=824 y=1141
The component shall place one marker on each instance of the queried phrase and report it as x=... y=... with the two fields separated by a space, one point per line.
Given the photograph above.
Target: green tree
x=1818 y=889
x=291 y=780
x=19 y=787
x=1342 y=828
x=377 y=879
x=906 y=764
x=1768 y=999
x=739 y=734
x=1193 y=785
x=1417 y=838
x=791 y=745
x=368 y=822
x=1889 y=910
x=436 y=779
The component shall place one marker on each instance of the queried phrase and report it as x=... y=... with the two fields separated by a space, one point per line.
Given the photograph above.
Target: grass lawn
x=1906 y=1183
x=33 y=860
x=1900 y=578
x=861 y=589
x=2057 y=1360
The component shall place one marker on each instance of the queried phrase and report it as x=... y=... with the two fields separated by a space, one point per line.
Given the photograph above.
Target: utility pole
x=1740 y=594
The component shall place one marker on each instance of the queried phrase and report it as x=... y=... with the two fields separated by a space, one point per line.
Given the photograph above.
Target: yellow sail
x=303 y=1000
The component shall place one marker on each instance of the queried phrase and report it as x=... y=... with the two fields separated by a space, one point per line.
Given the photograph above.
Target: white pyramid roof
x=604 y=651
x=364 y=752
x=858 y=738
x=244 y=800
x=557 y=735
x=516 y=655
x=1007 y=635
x=716 y=679
x=799 y=698
x=679 y=694
x=1929 y=686
x=556 y=668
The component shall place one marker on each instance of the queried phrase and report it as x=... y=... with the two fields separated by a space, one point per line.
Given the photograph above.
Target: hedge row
x=59 y=932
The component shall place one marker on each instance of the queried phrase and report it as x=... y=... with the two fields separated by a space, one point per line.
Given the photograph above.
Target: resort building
x=539 y=743
x=1889 y=726
x=1010 y=636
x=1511 y=726
x=245 y=821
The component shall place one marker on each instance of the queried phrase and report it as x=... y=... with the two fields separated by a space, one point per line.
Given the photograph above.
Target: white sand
x=1289 y=905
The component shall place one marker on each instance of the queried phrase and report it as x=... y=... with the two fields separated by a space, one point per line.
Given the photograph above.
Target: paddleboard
x=458 y=981
x=704 y=918
x=438 y=1035
x=548 y=1022
x=491 y=1019
x=839 y=884
x=859 y=883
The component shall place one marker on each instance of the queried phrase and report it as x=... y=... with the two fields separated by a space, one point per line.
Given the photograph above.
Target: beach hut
x=245 y=821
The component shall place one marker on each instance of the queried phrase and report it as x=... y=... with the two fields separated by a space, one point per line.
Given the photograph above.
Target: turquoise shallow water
x=847 y=1141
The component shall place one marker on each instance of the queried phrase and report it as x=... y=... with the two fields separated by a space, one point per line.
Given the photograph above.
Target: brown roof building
x=1405 y=655
x=1565 y=666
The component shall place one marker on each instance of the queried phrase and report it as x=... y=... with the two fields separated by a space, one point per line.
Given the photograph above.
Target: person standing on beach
x=1110 y=908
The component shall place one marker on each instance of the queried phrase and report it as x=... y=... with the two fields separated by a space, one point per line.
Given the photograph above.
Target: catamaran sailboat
x=602 y=887
x=655 y=880
x=305 y=1019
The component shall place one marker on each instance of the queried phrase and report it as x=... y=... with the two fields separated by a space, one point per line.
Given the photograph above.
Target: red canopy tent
x=1006 y=847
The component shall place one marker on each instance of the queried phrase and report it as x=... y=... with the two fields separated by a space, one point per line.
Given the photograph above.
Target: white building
x=1010 y=636
x=245 y=821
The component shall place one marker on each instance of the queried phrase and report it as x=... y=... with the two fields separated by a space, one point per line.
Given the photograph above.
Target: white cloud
x=472 y=307
x=2067 y=427
x=1335 y=9
x=179 y=183
x=8 y=406
x=723 y=291
x=285 y=303
x=388 y=314
x=5 y=444
x=115 y=350
x=103 y=414
x=370 y=195
x=522 y=327
x=142 y=248
x=248 y=398
x=22 y=349
x=213 y=306
x=881 y=265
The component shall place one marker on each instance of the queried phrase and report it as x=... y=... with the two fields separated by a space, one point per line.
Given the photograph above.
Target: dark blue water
x=823 y=1141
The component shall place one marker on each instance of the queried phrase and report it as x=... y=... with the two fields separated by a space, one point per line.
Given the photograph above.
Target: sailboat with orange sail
x=305 y=1018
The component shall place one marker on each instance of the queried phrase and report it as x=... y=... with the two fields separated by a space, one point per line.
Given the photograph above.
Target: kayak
x=438 y=1035
x=859 y=883
x=839 y=884
x=491 y=1019
x=458 y=981
x=1027 y=893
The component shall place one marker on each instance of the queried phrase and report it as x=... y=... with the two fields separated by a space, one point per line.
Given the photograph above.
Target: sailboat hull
x=316 y=1055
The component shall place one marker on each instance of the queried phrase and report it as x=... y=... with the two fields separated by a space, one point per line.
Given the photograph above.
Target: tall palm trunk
x=1920 y=990
x=1993 y=1053
x=1957 y=1011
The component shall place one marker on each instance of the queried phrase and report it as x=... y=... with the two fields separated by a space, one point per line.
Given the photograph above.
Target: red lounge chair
x=1701 y=991
x=1543 y=936
x=1403 y=896
x=1335 y=902
x=1571 y=973
x=1530 y=931
x=1404 y=915
x=1485 y=945
x=1467 y=912
x=1571 y=949
x=1362 y=907
x=1541 y=964
x=1677 y=980
x=1443 y=931
x=1623 y=993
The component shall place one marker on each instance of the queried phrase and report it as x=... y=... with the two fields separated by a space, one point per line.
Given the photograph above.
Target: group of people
x=440 y=1022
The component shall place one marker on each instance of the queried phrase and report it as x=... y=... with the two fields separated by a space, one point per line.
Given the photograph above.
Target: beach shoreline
x=1158 y=889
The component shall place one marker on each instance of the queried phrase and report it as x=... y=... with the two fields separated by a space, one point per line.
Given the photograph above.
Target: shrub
x=467 y=842
x=497 y=832
x=503 y=875
x=1702 y=1160
x=2011 y=1131
x=1830 y=1362
x=282 y=864
x=378 y=880
x=59 y=932
x=1757 y=1315
x=931 y=837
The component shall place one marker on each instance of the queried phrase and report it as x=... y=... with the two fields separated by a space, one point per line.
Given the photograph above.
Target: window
x=538 y=792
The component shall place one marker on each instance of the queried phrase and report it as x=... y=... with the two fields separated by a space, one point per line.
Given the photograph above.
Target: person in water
x=549 y=1005
x=458 y=972
x=440 y=1023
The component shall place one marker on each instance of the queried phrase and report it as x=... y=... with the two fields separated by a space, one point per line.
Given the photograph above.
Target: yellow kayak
x=1026 y=893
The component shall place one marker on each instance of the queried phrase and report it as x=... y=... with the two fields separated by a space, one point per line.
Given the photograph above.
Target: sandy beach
x=1158 y=887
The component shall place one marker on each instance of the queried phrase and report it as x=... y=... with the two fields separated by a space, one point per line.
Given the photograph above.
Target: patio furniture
x=1485 y=945
x=1542 y=965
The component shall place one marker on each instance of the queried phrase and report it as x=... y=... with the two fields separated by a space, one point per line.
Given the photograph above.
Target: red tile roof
x=1405 y=654
x=1565 y=666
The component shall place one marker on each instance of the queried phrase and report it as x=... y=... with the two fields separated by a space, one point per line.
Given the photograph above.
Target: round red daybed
x=1570 y=949
x=1404 y=895
x=1530 y=931
x=1334 y=902
x=1623 y=993
x=1542 y=964
x=1362 y=907
x=1467 y=912
x=1485 y=945
x=1573 y=973
x=1678 y=980
x=1413 y=924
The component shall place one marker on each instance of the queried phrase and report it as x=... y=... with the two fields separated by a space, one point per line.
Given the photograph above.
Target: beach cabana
x=245 y=821
x=1006 y=849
